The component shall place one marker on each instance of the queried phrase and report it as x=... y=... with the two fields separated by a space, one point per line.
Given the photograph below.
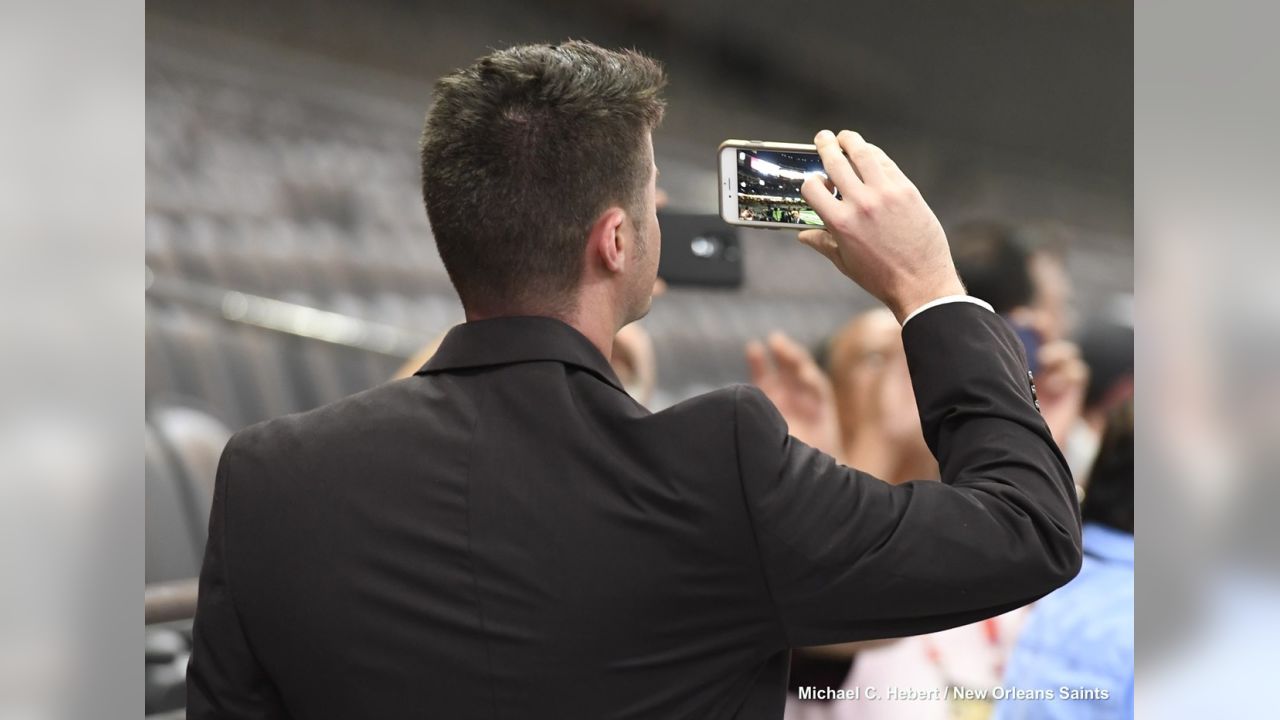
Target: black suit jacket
x=509 y=535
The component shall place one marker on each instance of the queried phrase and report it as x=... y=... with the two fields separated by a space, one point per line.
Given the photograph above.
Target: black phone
x=1031 y=342
x=699 y=251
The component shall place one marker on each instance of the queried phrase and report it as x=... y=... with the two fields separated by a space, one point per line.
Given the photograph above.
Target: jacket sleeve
x=224 y=678
x=849 y=557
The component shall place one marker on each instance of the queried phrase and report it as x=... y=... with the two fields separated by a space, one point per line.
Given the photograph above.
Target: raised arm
x=849 y=557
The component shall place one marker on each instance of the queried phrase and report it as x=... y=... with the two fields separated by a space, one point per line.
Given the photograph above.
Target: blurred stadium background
x=289 y=260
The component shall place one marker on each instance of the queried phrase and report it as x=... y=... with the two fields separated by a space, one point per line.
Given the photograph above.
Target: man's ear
x=606 y=242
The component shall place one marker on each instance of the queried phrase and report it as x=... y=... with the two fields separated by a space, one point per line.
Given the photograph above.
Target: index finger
x=816 y=191
x=838 y=167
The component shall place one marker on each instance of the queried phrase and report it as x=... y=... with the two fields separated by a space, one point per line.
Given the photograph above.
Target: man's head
x=993 y=265
x=1020 y=271
x=868 y=367
x=1107 y=348
x=1054 y=293
x=538 y=178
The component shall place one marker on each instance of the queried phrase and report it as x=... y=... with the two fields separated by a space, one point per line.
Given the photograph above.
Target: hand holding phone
x=879 y=231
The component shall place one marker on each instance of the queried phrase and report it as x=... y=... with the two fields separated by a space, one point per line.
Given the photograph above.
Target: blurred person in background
x=1078 y=641
x=1023 y=268
x=1029 y=290
x=787 y=374
x=861 y=409
x=994 y=264
x=508 y=532
x=1106 y=345
x=1053 y=293
x=879 y=422
x=634 y=361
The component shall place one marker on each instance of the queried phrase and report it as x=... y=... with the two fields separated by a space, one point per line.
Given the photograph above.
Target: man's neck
x=597 y=328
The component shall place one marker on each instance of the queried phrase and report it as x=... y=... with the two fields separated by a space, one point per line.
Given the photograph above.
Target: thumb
x=819 y=240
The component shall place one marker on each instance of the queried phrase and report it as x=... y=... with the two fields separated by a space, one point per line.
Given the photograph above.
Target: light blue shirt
x=1079 y=638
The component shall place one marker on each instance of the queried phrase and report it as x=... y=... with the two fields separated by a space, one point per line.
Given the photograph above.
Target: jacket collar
x=509 y=340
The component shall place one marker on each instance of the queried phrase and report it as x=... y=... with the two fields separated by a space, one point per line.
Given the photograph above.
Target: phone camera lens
x=704 y=246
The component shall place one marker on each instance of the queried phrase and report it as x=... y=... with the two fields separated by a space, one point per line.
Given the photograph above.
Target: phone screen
x=769 y=185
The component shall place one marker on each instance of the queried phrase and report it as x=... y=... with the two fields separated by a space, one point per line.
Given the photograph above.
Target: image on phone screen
x=769 y=186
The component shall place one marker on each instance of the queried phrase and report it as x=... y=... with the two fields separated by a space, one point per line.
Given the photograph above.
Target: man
x=996 y=267
x=1106 y=345
x=1078 y=643
x=508 y=534
x=1022 y=269
x=1031 y=290
x=1053 y=299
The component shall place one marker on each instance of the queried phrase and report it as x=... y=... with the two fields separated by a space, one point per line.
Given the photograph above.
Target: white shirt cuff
x=944 y=301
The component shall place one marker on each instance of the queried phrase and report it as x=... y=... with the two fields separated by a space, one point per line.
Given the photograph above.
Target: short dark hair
x=993 y=265
x=521 y=152
x=1108 y=498
x=1107 y=348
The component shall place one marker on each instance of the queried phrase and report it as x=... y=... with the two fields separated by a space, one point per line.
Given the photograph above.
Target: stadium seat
x=167 y=652
x=173 y=545
x=190 y=347
x=195 y=441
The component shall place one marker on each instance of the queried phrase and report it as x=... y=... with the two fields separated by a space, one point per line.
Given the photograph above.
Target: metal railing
x=286 y=317
x=169 y=601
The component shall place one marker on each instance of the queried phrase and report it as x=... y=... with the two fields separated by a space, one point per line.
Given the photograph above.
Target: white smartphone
x=760 y=183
